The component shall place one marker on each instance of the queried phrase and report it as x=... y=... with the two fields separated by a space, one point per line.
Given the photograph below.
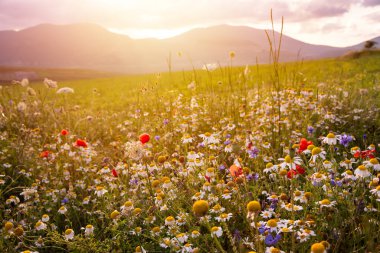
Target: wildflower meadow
x=266 y=158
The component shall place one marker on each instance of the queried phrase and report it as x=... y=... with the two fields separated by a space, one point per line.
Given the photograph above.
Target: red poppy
x=304 y=144
x=291 y=174
x=44 y=154
x=300 y=170
x=236 y=171
x=64 y=132
x=365 y=154
x=144 y=138
x=114 y=173
x=81 y=143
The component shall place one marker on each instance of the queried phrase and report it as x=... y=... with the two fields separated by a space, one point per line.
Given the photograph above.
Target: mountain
x=90 y=46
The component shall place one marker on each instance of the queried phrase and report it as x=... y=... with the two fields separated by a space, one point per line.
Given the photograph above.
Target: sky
x=326 y=22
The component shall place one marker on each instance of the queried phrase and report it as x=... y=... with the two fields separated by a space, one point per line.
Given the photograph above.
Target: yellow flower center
x=99 y=188
x=224 y=216
x=288 y=159
x=170 y=219
x=8 y=225
x=297 y=193
x=207 y=134
x=137 y=211
x=325 y=202
x=161 y=159
x=68 y=231
x=180 y=235
x=114 y=214
x=374 y=161
x=253 y=206
x=210 y=170
x=19 y=231
x=269 y=165
x=195 y=232
x=272 y=223
x=317 y=248
x=89 y=226
x=214 y=229
x=316 y=151
x=39 y=223
x=156 y=229
x=349 y=172
x=331 y=136
x=200 y=207
x=128 y=204
x=275 y=250
x=283 y=172
x=362 y=168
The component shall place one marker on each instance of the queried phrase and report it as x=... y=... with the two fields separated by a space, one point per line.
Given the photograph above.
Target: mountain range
x=89 y=46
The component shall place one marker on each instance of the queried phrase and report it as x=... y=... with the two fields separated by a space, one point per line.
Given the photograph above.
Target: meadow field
x=266 y=158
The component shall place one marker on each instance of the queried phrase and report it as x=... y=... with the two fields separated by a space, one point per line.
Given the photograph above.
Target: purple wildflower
x=253 y=153
x=271 y=240
x=345 y=140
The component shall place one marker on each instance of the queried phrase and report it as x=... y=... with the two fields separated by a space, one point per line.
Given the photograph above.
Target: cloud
x=371 y=2
x=300 y=16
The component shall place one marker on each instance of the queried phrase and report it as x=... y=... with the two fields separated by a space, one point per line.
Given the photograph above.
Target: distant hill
x=90 y=46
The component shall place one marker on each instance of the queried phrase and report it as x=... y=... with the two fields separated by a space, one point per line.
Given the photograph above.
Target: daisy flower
x=224 y=217
x=216 y=231
x=195 y=234
x=317 y=153
x=376 y=191
x=45 y=218
x=170 y=221
x=272 y=225
x=326 y=203
x=209 y=138
x=269 y=168
x=69 y=234
x=273 y=250
x=40 y=225
x=330 y=139
x=349 y=175
x=289 y=162
x=217 y=209
x=12 y=200
x=89 y=230
x=100 y=191
x=373 y=163
x=128 y=206
x=362 y=172
x=62 y=210
x=290 y=207
x=267 y=214
x=182 y=237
